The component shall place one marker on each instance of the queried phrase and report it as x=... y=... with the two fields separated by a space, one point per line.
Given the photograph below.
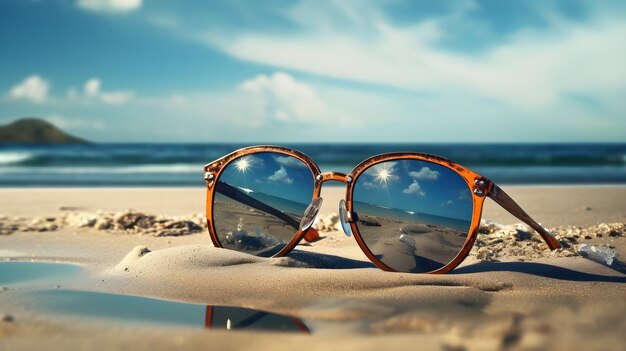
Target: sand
x=519 y=296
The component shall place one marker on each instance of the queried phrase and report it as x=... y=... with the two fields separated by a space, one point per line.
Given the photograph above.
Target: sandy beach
x=511 y=293
x=116 y=116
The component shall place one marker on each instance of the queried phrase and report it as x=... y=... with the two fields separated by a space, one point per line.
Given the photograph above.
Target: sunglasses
x=409 y=212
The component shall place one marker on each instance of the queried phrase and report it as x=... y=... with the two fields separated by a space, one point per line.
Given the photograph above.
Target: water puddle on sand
x=136 y=310
x=19 y=273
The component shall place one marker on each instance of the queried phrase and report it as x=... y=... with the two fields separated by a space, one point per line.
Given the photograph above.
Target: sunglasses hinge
x=481 y=185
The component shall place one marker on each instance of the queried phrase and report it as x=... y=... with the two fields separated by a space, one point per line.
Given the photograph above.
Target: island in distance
x=32 y=130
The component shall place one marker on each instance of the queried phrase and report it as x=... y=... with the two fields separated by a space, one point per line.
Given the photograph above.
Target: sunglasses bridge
x=345 y=216
x=333 y=176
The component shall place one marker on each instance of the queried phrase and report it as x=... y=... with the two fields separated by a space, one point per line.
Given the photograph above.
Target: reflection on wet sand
x=144 y=310
x=237 y=318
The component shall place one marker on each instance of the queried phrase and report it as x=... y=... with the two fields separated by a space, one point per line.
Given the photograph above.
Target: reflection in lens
x=259 y=201
x=413 y=215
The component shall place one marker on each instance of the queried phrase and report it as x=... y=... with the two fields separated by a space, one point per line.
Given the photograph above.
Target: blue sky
x=308 y=71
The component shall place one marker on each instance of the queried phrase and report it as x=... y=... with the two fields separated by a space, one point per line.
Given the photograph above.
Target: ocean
x=160 y=165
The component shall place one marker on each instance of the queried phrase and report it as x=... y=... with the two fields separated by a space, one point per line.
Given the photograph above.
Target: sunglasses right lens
x=413 y=215
x=259 y=201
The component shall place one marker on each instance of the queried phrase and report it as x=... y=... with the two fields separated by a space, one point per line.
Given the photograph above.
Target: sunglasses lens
x=259 y=200
x=414 y=216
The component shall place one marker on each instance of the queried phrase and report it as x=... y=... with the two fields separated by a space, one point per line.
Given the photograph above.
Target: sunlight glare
x=383 y=175
x=242 y=165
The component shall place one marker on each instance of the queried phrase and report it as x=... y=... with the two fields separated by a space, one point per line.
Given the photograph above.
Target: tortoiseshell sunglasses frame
x=480 y=187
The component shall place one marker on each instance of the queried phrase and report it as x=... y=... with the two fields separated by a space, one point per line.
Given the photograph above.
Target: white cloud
x=280 y=176
x=414 y=189
x=34 y=88
x=93 y=90
x=371 y=185
x=287 y=100
x=117 y=97
x=111 y=6
x=531 y=68
x=289 y=161
x=92 y=87
x=424 y=173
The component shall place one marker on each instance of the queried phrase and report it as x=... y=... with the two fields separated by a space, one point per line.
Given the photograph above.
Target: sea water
x=100 y=164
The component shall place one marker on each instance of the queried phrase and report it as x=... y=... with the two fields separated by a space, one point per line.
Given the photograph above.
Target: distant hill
x=35 y=131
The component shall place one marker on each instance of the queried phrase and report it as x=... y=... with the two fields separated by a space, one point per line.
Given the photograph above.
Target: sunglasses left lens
x=259 y=200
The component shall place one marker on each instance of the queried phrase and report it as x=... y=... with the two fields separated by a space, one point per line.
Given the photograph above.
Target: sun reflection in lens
x=383 y=175
x=242 y=165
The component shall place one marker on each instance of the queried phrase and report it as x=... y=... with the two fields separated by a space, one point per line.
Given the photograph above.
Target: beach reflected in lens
x=259 y=201
x=413 y=215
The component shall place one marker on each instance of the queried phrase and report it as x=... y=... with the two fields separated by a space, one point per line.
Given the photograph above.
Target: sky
x=415 y=186
x=317 y=71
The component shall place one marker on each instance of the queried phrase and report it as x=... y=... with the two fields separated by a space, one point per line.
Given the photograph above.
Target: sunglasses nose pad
x=310 y=213
x=344 y=217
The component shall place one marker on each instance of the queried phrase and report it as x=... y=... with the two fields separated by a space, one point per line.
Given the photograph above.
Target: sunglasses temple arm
x=240 y=196
x=503 y=199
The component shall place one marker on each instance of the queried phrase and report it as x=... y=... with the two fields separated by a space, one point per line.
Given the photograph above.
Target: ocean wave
x=13 y=157
x=140 y=169
x=331 y=157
